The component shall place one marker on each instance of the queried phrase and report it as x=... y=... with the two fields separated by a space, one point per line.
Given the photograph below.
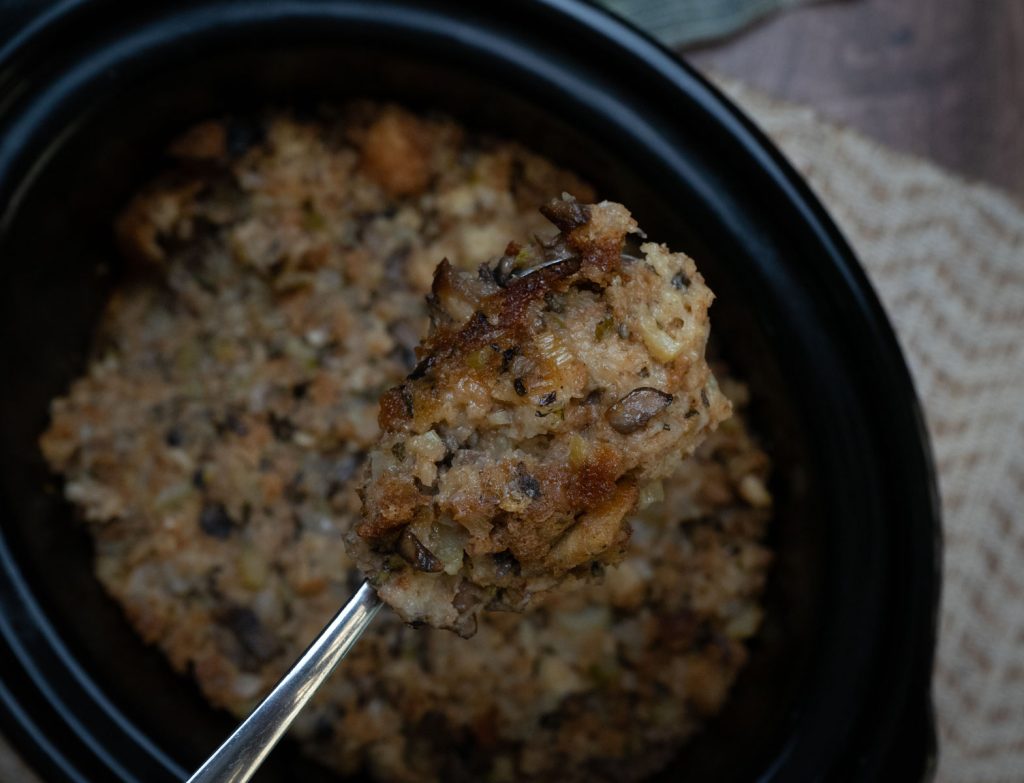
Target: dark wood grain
x=943 y=79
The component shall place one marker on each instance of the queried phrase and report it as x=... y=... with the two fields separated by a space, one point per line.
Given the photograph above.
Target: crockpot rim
x=769 y=159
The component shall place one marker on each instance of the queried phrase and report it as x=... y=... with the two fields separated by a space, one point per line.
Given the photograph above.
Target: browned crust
x=528 y=489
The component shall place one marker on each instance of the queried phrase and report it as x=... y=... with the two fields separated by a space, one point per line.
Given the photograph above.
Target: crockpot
x=838 y=684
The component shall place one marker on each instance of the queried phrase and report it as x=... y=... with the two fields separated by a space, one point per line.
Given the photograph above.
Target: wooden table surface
x=942 y=79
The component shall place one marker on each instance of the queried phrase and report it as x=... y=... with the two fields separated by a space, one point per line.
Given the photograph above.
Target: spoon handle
x=242 y=753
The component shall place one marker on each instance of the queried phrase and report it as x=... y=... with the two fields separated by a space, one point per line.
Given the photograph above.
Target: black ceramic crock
x=838 y=684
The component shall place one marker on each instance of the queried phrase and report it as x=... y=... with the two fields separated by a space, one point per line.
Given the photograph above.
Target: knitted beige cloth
x=947 y=259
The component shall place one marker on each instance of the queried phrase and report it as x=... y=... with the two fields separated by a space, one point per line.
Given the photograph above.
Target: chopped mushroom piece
x=512 y=456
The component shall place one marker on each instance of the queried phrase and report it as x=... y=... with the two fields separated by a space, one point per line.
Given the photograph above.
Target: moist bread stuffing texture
x=216 y=441
x=511 y=456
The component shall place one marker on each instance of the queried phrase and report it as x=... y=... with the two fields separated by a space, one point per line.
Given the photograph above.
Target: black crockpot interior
x=837 y=686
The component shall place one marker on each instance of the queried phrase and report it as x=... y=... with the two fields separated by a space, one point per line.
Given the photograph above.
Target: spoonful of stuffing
x=557 y=386
x=542 y=405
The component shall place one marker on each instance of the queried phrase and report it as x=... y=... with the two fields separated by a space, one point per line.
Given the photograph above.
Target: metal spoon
x=241 y=754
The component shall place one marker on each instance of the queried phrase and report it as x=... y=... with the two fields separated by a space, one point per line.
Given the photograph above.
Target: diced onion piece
x=554 y=349
x=753 y=490
x=658 y=342
x=578 y=450
x=447 y=541
x=651 y=493
x=252 y=569
x=428 y=446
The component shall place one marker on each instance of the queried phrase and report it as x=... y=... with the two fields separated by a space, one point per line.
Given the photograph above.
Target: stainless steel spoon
x=242 y=753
